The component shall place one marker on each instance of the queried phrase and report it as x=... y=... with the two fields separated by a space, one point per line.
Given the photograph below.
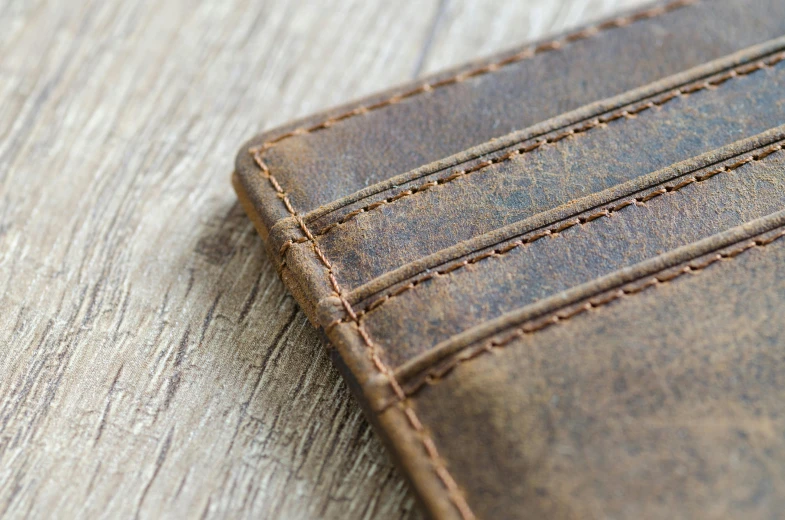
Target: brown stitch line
x=526 y=53
x=556 y=230
x=435 y=375
x=439 y=465
x=597 y=122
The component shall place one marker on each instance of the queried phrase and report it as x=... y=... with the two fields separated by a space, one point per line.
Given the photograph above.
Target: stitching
x=598 y=122
x=435 y=375
x=525 y=54
x=563 y=226
x=438 y=463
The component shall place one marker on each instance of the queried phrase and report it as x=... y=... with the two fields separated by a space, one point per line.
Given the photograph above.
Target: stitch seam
x=525 y=54
x=439 y=466
x=435 y=375
x=563 y=226
x=630 y=112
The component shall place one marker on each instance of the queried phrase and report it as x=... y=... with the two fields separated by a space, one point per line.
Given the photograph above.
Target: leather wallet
x=555 y=278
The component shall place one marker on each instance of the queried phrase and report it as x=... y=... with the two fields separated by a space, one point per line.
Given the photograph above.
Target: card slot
x=530 y=319
x=510 y=191
x=579 y=212
x=327 y=218
x=686 y=210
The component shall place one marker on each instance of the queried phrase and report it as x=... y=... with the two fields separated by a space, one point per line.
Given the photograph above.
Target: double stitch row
x=563 y=226
x=629 y=112
x=435 y=375
x=525 y=54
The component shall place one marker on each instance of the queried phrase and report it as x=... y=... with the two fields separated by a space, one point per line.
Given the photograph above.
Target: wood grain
x=152 y=363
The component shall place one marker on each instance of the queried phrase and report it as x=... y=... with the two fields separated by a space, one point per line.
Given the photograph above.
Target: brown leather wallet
x=554 y=277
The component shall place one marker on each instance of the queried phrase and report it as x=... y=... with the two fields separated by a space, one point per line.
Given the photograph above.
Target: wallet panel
x=664 y=403
x=581 y=331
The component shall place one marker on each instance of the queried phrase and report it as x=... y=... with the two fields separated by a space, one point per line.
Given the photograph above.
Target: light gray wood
x=152 y=363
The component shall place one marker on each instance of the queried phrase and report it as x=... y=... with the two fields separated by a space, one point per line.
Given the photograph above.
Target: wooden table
x=152 y=363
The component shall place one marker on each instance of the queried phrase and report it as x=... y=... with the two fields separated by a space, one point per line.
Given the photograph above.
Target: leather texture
x=554 y=278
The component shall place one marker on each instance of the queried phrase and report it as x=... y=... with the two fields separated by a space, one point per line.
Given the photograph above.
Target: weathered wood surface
x=152 y=364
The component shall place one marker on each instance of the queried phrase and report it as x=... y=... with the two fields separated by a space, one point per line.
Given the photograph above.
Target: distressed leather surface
x=578 y=254
x=363 y=249
x=666 y=404
x=556 y=285
x=323 y=166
